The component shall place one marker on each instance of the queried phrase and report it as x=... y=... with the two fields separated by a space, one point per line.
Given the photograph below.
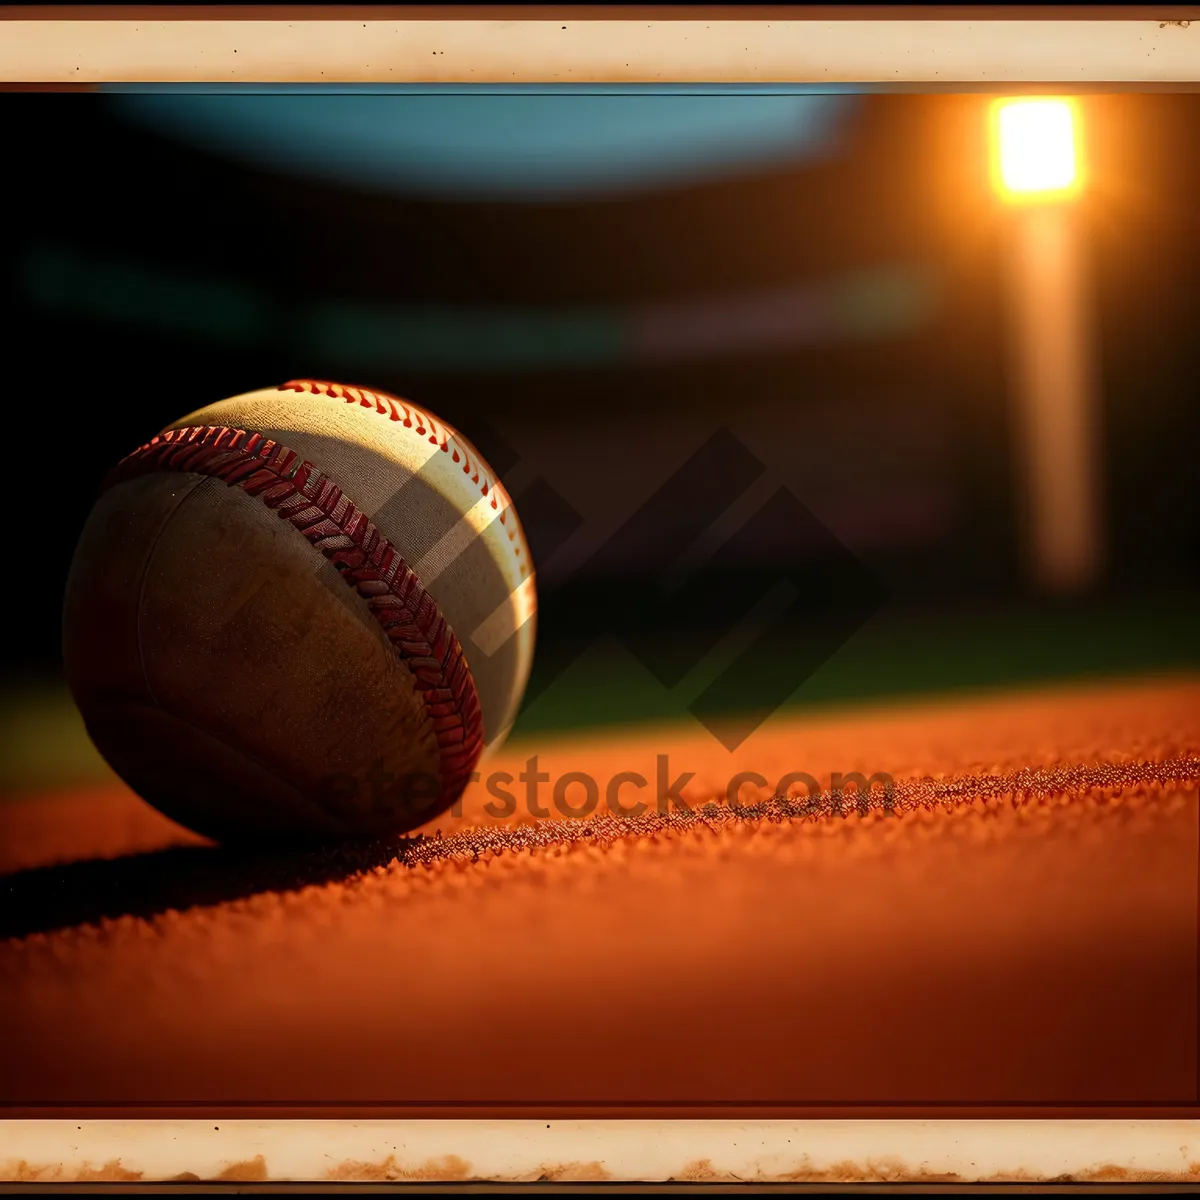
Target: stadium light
x=1036 y=166
x=1036 y=153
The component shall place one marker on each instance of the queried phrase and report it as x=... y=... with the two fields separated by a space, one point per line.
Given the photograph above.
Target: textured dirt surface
x=1018 y=926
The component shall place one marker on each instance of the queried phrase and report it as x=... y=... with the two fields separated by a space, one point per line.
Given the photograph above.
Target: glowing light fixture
x=1055 y=370
x=1036 y=155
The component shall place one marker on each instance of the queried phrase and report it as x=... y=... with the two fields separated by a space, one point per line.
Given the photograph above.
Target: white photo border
x=794 y=48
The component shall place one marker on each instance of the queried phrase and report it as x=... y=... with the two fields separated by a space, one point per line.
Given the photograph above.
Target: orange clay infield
x=1020 y=931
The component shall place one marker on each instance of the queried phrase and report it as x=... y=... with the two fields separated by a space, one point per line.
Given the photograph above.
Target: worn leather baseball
x=305 y=611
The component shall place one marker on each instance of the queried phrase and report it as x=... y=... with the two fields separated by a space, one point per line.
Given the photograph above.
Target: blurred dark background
x=591 y=287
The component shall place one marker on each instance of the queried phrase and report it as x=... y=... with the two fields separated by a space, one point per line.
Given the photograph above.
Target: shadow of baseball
x=149 y=884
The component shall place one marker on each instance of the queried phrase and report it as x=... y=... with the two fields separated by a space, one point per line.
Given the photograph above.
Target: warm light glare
x=1036 y=147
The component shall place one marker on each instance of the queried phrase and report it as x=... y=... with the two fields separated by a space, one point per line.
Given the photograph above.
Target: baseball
x=305 y=611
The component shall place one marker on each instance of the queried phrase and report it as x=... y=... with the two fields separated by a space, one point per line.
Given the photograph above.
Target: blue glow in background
x=518 y=145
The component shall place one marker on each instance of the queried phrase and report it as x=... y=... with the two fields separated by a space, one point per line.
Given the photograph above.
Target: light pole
x=1037 y=171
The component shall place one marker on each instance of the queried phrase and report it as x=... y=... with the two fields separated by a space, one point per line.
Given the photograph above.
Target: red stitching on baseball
x=313 y=504
x=440 y=434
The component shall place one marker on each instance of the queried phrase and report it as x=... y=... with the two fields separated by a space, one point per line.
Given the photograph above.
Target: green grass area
x=897 y=655
x=43 y=742
x=42 y=739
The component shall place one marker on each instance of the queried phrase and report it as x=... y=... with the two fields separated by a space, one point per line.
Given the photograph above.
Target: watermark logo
x=733 y=644
x=579 y=795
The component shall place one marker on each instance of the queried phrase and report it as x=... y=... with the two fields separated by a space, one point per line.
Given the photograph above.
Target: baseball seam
x=301 y=494
x=429 y=428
